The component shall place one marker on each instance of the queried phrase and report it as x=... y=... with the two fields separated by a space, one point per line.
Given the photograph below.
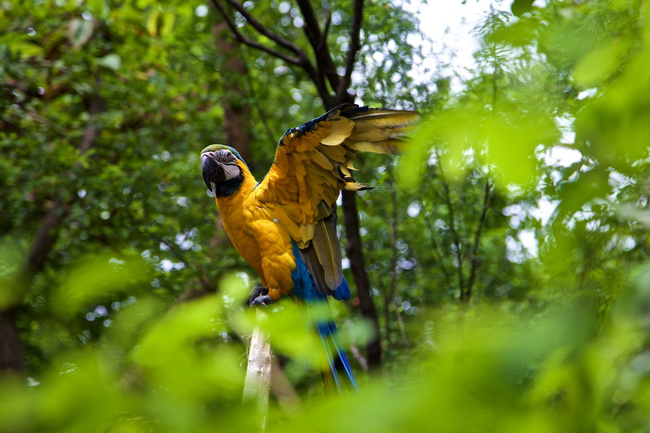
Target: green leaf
x=95 y=278
x=600 y=63
x=80 y=31
x=110 y=61
x=160 y=23
x=24 y=48
x=520 y=7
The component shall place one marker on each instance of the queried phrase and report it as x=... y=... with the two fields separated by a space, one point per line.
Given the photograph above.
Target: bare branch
x=318 y=44
x=355 y=44
x=323 y=39
x=258 y=373
x=261 y=29
x=284 y=392
x=359 y=357
x=254 y=44
x=301 y=58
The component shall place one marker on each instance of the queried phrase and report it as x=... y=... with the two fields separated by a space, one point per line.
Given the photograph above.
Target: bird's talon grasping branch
x=264 y=300
x=259 y=296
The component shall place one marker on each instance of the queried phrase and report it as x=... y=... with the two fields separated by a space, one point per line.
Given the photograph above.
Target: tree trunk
x=11 y=351
x=354 y=251
x=12 y=358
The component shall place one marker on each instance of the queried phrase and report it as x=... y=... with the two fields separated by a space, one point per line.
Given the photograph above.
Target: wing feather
x=340 y=130
x=328 y=250
x=377 y=146
x=322 y=160
x=313 y=162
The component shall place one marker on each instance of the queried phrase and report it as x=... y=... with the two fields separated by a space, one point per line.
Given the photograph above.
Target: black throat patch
x=229 y=187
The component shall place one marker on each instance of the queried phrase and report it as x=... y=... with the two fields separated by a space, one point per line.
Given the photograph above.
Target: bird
x=284 y=226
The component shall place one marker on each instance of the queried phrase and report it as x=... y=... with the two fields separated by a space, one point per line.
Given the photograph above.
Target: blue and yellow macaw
x=285 y=225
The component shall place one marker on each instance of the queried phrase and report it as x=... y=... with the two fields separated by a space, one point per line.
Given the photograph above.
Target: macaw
x=284 y=226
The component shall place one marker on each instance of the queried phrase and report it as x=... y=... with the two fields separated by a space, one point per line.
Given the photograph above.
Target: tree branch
x=475 y=262
x=261 y=29
x=251 y=43
x=438 y=256
x=394 y=258
x=258 y=373
x=11 y=351
x=318 y=43
x=355 y=45
x=284 y=392
x=452 y=226
x=354 y=250
x=301 y=58
x=322 y=43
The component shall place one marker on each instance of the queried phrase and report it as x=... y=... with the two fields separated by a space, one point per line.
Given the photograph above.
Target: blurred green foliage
x=508 y=248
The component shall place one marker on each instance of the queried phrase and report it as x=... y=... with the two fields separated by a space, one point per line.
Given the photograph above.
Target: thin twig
x=394 y=257
x=354 y=47
x=474 y=261
x=254 y=44
x=324 y=62
x=452 y=225
x=261 y=29
x=284 y=392
x=385 y=292
x=363 y=362
x=301 y=58
x=256 y=103
x=326 y=29
x=437 y=255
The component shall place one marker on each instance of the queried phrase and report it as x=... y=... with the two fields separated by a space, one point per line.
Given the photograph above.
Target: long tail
x=337 y=364
x=338 y=370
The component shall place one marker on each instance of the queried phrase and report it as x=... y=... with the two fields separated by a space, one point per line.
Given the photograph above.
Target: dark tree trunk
x=354 y=251
x=11 y=351
x=12 y=358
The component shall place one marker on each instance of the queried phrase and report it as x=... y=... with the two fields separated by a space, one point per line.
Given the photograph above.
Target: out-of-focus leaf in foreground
x=97 y=277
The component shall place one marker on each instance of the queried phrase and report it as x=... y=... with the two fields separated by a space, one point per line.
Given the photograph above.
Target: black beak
x=212 y=172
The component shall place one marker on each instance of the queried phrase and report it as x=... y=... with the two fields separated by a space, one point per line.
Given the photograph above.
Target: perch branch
x=258 y=373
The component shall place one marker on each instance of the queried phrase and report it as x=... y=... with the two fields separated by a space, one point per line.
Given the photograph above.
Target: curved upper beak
x=212 y=172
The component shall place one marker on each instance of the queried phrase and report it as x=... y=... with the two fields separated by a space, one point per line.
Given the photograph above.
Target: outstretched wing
x=313 y=162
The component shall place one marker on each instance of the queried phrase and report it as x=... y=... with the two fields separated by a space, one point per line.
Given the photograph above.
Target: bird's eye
x=226 y=156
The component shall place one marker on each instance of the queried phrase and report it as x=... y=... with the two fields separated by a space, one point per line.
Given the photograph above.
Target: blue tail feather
x=342 y=292
x=305 y=289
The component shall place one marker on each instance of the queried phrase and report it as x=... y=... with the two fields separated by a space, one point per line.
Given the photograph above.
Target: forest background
x=499 y=267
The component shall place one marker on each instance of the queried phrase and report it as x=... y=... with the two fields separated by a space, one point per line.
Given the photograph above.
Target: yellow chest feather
x=260 y=240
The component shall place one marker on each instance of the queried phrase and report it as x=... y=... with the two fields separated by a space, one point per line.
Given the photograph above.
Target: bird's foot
x=259 y=296
x=264 y=300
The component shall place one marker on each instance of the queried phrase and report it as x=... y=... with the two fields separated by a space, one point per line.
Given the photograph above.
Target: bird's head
x=221 y=165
